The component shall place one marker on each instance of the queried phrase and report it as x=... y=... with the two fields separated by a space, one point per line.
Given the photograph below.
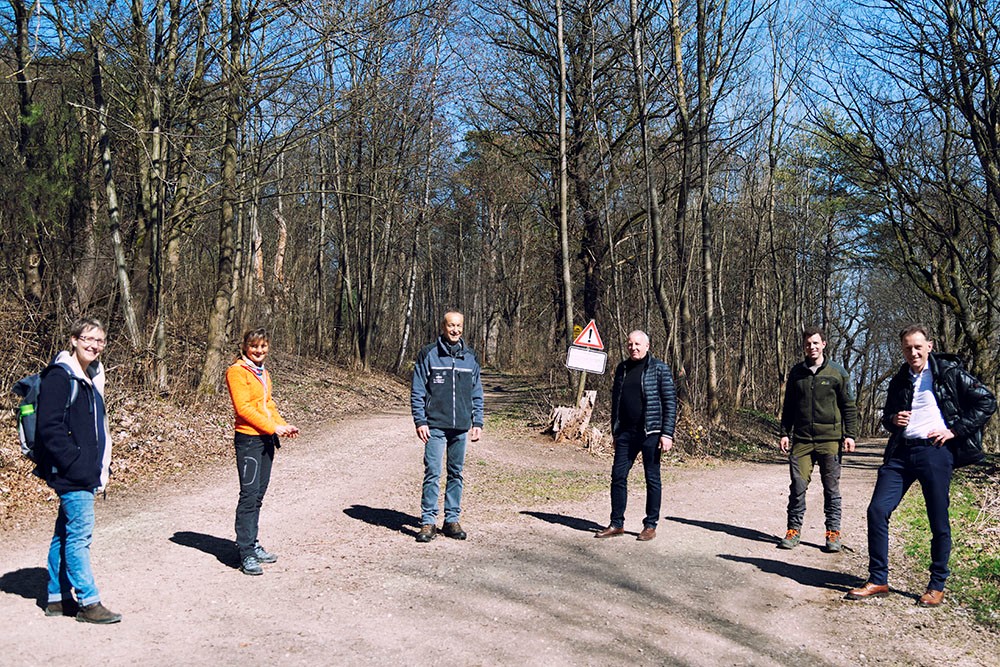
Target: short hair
x=645 y=336
x=451 y=311
x=911 y=329
x=83 y=324
x=810 y=331
x=252 y=336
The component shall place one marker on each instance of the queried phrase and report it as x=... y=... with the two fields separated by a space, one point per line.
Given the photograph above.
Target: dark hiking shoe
x=792 y=539
x=428 y=532
x=250 y=565
x=263 y=555
x=833 y=544
x=453 y=530
x=97 y=613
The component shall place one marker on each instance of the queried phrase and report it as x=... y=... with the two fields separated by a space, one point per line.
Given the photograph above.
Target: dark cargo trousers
x=803 y=458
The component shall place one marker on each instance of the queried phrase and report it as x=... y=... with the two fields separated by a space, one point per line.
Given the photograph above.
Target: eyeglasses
x=90 y=340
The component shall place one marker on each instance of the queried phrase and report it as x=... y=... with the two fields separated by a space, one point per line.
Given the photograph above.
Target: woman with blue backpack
x=74 y=455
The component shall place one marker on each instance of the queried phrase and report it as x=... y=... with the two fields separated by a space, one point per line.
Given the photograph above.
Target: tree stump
x=572 y=423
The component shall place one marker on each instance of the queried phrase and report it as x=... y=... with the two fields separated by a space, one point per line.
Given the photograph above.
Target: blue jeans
x=932 y=467
x=628 y=445
x=69 y=551
x=254 y=456
x=440 y=442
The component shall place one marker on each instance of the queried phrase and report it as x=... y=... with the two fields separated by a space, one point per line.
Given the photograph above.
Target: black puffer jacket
x=658 y=395
x=965 y=403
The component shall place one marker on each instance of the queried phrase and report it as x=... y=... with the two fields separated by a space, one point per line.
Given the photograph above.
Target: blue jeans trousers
x=254 y=456
x=443 y=444
x=932 y=467
x=69 y=551
x=628 y=446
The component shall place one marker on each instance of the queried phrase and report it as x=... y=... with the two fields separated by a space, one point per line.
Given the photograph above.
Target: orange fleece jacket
x=256 y=413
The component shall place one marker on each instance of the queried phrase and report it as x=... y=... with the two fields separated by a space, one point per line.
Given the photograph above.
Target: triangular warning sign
x=589 y=337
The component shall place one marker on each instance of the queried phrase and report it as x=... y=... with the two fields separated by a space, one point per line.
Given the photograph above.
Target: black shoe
x=453 y=530
x=428 y=532
x=97 y=613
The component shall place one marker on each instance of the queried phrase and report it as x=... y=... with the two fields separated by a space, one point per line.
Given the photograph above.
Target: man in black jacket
x=935 y=411
x=643 y=414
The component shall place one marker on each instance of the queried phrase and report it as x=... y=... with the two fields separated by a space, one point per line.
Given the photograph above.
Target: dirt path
x=530 y=586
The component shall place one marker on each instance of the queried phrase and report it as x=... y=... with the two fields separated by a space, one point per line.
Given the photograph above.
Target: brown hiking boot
x=97 y=613
x=453 y=530
x=428 y=532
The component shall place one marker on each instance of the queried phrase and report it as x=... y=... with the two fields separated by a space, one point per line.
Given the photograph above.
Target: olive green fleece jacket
x=819 y=407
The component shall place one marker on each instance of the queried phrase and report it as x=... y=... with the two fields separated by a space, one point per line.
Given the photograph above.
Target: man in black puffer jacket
x=935 y=412
x=643 y=415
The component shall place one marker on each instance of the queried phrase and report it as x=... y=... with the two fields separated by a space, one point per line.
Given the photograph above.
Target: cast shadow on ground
x=583 y=525
x=806 y=576
x=28 y=583
x=223 y=550
x=386 y=518
x=736 y=531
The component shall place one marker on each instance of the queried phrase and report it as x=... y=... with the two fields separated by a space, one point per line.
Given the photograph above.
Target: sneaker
x=251 y=566
x=792 y=539
x=263 y=555
x=428 y=532
x=833 y=544
x=97 y=613
x=453 y=530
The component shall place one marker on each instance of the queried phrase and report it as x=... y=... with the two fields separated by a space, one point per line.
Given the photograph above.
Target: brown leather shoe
x=931 y=598
x=647 y=534
x=610 y=531
x=869 y=590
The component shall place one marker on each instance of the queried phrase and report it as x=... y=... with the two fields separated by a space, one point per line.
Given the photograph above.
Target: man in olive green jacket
x=819 y=415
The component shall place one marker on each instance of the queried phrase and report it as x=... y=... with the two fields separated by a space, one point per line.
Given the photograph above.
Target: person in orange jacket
x=258 y=425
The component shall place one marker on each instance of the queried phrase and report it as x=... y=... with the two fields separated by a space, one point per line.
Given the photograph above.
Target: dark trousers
x=801 y=460
x=254 y=456
x=628 y=445
x=932 y=467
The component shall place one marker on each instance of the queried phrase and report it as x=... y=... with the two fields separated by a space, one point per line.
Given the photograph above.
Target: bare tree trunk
x=652 y=192
x=567 y=277
x=233 y=120
x=704 y=96
x=114 y=214
x=320 y=306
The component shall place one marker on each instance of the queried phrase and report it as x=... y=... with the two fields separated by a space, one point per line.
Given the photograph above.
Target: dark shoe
x=869 y=590
x=428 y=532
x=97 y=613
x=251 y=566
x=833 y=544
x=453 y=530
x=931 y=598
x=610 y=531
x=263 y=555
x=54 y=609
x=647 y=534
x=792 y=539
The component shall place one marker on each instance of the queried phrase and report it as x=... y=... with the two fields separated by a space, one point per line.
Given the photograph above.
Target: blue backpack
x=27 y=388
